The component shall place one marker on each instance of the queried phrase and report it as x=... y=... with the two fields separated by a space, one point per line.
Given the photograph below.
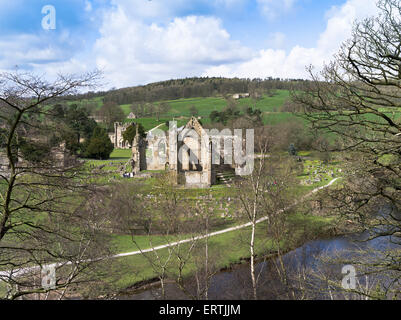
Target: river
x=306 y=269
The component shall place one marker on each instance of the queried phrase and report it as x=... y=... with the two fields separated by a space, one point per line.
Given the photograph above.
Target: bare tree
x=262 y=194
x=42 y=190
x=197 y=251
x=356 y=99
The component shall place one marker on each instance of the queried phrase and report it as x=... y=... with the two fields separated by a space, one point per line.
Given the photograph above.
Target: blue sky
x=141 y=41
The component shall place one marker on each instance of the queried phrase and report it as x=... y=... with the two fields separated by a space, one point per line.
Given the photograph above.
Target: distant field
x=270 y=106
x=150 y=123
x=205 y=106
x=181 y=107
x=126 y=108
x=83 y=102
x=267 y=104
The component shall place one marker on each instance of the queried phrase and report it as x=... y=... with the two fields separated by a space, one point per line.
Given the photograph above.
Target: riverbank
x=133 y=271
x=312 y=227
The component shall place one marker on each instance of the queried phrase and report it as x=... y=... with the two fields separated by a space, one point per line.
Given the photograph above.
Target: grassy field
x=180 y=109
x=150 y=123
x=226 y=249
x=205 y=105
x=118 y=154
x=269 y=105
x=126 y=108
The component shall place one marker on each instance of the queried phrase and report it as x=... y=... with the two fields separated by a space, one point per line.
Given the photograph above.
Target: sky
x=135 y=42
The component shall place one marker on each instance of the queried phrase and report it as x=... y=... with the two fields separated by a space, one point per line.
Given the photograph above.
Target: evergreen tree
x=130 y=133
x=99 y=145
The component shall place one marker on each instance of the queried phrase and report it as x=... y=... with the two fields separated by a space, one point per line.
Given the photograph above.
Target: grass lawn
x=205 y=106
x=267 y=104
x=126 y=108
x=225 y=249
x=119 y=154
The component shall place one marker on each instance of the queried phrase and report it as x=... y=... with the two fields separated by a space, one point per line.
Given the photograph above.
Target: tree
x=139 y=109
x=214 y=116
x=263 y=194
x=356 y=98
x=130 y=133
x=111 y=112
x=162 y=109
x=254 y=116
x=99 y=146
x=34 y=152
x=193 y=111
x=39 y=223
x=164 y=219
x=74 y=125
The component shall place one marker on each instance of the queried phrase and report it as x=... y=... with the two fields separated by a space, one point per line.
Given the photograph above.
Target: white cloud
x=133 y=52
x=25 y=50
x=277 y=63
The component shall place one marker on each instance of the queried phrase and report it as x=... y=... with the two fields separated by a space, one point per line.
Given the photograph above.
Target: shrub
x=99 y=145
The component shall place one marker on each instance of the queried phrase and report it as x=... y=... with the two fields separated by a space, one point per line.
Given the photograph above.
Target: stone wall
x=156 y=154
x=197 y=179
x=117 y=137
x=3 y=163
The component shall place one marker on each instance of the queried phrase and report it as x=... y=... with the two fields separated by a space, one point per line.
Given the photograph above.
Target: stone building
x=188 y=153
x=59 y=157
x=117 y=136
x=238 y=96
x=132 y=116
x=97 y=118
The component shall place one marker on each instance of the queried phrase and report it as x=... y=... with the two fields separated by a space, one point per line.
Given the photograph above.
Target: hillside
x=270 y=105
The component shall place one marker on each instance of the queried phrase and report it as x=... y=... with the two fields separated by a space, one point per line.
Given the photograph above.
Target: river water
x=306 y=271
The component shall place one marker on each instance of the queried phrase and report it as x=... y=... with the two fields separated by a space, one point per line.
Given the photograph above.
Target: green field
x=150 y=123
x=118 y=154
x=180 y=109
x=205 y=105
x=226 y=249
x=269 y=105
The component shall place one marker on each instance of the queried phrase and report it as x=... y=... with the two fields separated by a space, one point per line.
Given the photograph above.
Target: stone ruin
x=186 y=154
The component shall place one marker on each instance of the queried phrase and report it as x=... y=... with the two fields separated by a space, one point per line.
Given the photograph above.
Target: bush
x=99 y=145
x=33 y=151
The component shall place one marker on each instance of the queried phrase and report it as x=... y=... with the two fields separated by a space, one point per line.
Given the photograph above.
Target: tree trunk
x=252 y=248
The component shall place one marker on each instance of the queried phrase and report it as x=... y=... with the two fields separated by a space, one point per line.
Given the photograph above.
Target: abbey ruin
x=191 y=155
